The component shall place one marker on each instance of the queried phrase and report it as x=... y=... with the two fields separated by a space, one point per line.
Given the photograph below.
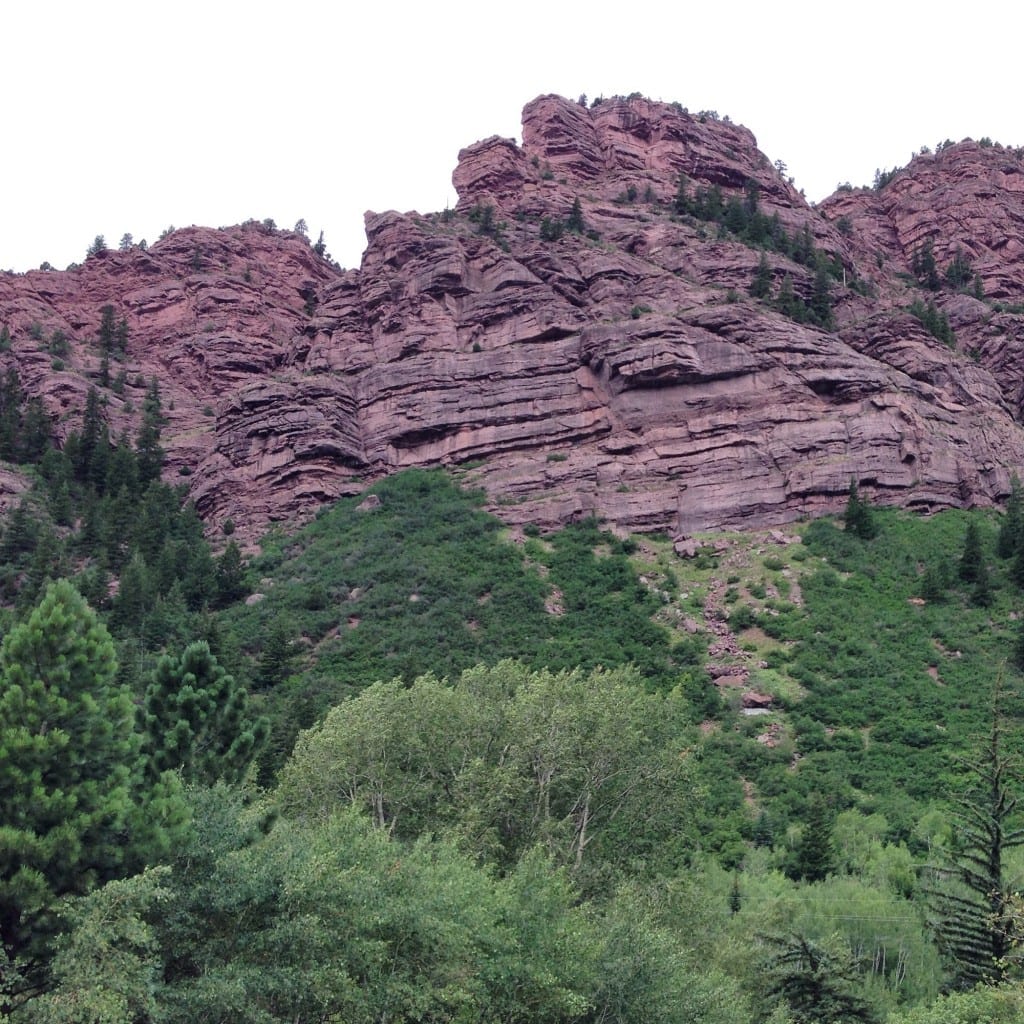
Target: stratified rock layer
x=620 y=369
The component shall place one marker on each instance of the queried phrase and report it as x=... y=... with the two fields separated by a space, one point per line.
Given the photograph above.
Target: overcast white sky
x=129 y=117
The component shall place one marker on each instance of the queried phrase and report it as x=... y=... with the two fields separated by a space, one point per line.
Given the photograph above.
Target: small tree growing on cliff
x=575 y=222
x=857 y=519
x=761 y=286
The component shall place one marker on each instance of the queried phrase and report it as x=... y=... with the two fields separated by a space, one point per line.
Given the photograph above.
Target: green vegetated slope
x=879 y=687
x=500 y=783
x=875 y=689
x=419 y=579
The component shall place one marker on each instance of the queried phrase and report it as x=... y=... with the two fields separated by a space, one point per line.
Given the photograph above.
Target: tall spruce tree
x=150 y=454
x=1011 y=530
x=972 y=560
x=816 y=982
x=814 y=855
x=108 y=330
x=575 y=221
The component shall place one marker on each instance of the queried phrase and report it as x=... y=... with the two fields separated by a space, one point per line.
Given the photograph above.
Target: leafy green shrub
x=743 y=617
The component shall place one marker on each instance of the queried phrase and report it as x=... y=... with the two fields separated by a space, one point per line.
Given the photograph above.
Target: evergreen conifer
x=69 y=744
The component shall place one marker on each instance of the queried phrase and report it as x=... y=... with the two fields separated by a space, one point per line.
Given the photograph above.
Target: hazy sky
x=130 y=117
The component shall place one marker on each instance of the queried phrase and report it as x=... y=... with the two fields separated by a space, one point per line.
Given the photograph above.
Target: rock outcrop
x=576 y=335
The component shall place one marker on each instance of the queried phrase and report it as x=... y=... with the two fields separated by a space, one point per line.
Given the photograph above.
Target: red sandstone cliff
x=623 y=371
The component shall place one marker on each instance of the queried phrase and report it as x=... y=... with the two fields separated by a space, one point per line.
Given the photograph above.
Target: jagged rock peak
x=610 y=148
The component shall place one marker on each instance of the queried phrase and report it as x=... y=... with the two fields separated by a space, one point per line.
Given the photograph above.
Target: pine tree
x=69 y=744
x=10 y=414
x=981 y=592
x=683 y=203
x=276 y=657
x=575 y=221
x=761 y=286
x=922 y=263
x=230 y=575
x=147 y=446
x=933 y=585
x=198 y=721
x=1011 y=530
x=815 y=981
x=121 y=336
x=821 y=297
x=90 y=439
x=972 y=899
x=735 y=895
x=972 y=561
x=814 y=856
x=787 y=302
x=857 y=518
x=108 y=331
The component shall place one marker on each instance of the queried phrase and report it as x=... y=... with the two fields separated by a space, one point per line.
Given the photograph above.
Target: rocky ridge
x=572 y=338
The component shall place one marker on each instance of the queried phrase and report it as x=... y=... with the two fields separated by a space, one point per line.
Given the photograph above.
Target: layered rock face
x=572 y=337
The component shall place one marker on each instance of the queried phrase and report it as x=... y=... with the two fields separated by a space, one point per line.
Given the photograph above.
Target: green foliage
x=426 y=582
x=935 y=321
x=882 y=178
x=106 y=968
x=575 y=221
x=814 y=856
x=959 y=273
x=551 y=230
x=858 y=519
x=483 y=217
x=148 y=451
x=922 y=264
x=337 y=921
x=889 y=687
x=814 y=981
x=983 y=1005
x=24 y=426
x=1011 y=529
x=69 y=748
x=507 y=759
x=761 y=286
x=973 y=896
x=93 y=508
x=197 y=721
x=743 y=219
x=972 y=561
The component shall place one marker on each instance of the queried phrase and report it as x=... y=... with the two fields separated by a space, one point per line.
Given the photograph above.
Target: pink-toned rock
x=731 y=681
x=12 y=486
x=622 y=372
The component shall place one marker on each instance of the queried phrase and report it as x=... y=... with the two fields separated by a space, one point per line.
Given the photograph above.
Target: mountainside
x=632 y=314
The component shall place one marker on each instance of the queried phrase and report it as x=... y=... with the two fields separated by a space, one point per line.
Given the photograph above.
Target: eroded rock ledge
x=622 y=370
